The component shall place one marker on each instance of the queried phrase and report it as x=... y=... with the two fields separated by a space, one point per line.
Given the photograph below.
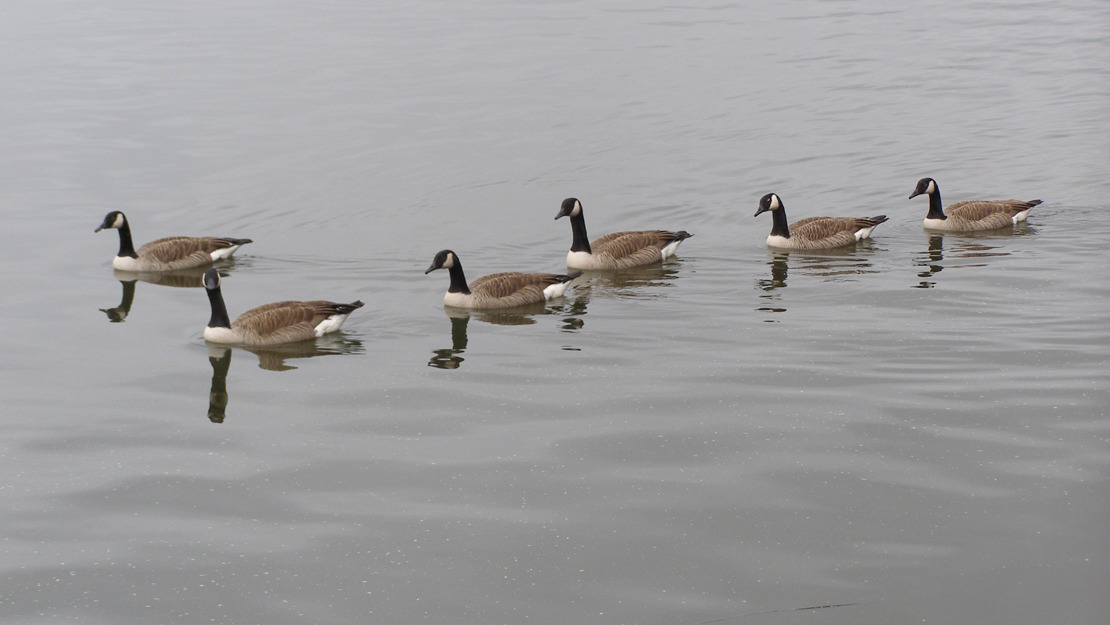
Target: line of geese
x=291 y=321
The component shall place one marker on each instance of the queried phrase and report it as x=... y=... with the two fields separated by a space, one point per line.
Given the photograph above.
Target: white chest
x=220 y=335
x=458 y=300
x=582 y=260
x=126 y=263
x=776 y=240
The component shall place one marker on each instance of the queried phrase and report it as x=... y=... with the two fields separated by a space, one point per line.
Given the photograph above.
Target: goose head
x=211 y=280
x=114 y=219
x=444 y=259
x=769 y=202
x=571 y=208
x=926 y=186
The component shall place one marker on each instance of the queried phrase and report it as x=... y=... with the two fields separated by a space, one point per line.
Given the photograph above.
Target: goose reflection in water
x=451 y=358
x=182 y=279
x=965 y=249
x=220 y=359
x=271 y=359
x=634 y=282
x=833 y=264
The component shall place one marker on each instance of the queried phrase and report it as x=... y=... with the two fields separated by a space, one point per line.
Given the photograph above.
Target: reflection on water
x=118 y=314
x=182 y=278
x=571 y=312
x=273 y=357
x=964 y=250
x=633 y=282
x=220 y=359
x=837 y=264
x=269 y=358
x=451 y=358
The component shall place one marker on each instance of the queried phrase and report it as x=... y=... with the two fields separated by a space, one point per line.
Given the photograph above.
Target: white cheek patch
x=932 y=188
x=577 y=209
x=775 y=203
x=449 y=262
x=119 y=221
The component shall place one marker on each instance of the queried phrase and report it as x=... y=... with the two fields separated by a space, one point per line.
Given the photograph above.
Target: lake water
x=915 y=430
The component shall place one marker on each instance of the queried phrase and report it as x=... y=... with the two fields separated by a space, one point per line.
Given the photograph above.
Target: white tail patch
x=556 y=290
x=1021 y=216
x=864 y=233
x=331 y=324
x=225 y=252
x=669 y=250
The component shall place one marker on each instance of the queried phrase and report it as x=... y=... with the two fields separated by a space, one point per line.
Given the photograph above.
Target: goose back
x=829 y=232
x=510 y=288
x=622 y=250
x=975 y=215
x=290 y=321
x=172 y=253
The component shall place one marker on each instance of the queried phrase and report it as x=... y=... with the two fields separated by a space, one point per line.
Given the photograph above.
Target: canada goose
x=814 y=233
x=498 y=290
x=169 y=253
x=271 y=324
x=970 y=216
x=618 y=250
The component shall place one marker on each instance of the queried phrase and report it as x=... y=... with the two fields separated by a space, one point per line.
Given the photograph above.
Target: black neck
x=458 y=280
x=936 y=210
x=778 y=223
x=126 y=248
x=219 y=311
x=581 y=242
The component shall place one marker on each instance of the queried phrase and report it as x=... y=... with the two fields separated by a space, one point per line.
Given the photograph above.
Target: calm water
x=912 y=431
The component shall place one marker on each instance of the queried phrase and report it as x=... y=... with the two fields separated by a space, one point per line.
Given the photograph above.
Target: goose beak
x=431 y=269
x=913 y=195
x=760 y=211
x=561 y=214
x=99 y=229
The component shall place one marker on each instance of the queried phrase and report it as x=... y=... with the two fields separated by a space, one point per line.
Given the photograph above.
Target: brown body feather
x=621 y=250
x=978 y=215
x=173 y=253
x=828 y=232
x=506 y=289
x=286 y=322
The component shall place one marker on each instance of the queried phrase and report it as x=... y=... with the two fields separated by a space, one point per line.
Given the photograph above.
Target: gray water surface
x=913 y=430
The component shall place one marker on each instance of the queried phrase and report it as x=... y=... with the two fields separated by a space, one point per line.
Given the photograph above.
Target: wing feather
x=183 y=252
x=285 y=322
x=824 y=232
x=512 y=288
x=630 y=249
